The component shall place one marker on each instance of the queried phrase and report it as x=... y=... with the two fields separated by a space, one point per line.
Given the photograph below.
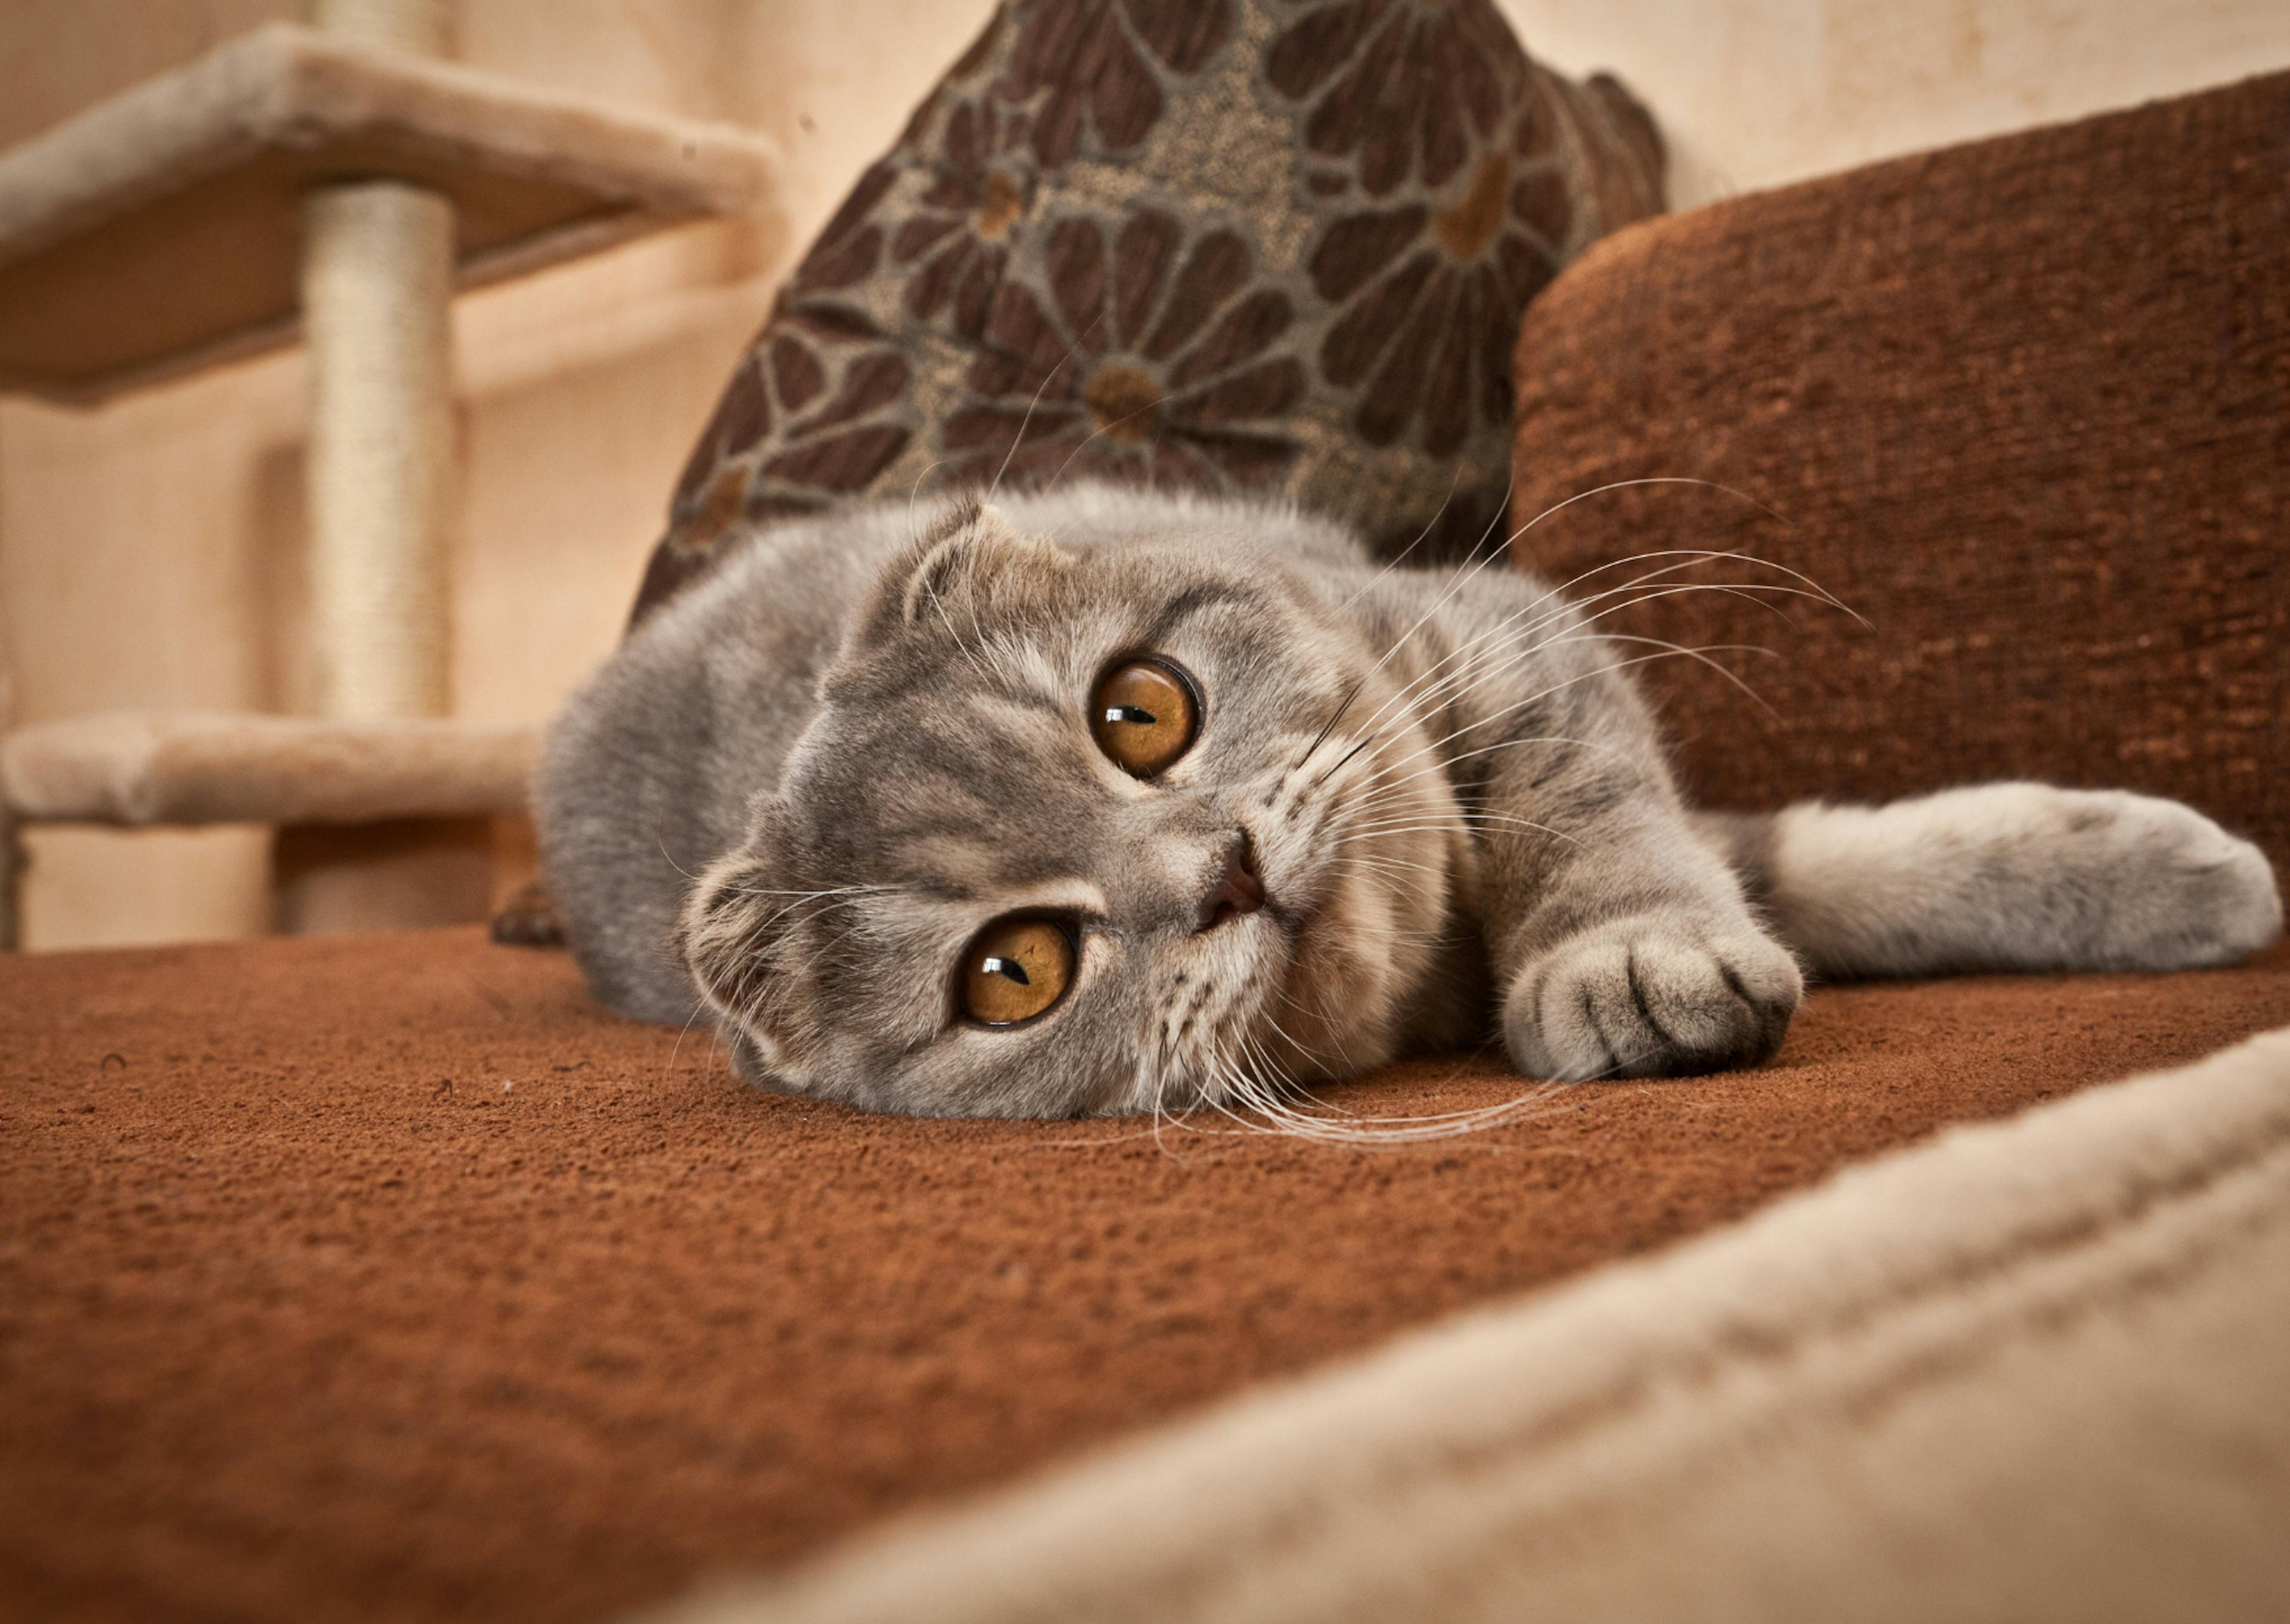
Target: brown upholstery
x=1263 y=245
x=2024 y=405
x=389 y=1278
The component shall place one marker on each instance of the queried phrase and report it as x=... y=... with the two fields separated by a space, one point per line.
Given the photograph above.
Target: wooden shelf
x=188 y=768
x=161 y=231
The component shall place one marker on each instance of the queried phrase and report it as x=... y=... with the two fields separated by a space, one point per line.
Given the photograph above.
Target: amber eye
x=1016 y=969
x=1144 y=716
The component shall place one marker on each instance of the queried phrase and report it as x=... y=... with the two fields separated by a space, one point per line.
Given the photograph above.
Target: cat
x=1105 y=801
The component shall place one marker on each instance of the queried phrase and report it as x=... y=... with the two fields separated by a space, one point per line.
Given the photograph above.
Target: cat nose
x=1238 y=891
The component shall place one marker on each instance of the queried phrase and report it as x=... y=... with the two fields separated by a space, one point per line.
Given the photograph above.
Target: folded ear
x=742 y=933
x=970 y=563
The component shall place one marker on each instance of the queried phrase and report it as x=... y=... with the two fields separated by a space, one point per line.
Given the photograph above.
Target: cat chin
x=759 y=1059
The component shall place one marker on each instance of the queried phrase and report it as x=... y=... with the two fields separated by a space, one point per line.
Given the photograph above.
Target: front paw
x=1650 y=997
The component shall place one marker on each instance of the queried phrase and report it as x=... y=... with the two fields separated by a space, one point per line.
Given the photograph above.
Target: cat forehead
x=975 y=652
x=1008 y=773
x=890 y=778
x=980 y=706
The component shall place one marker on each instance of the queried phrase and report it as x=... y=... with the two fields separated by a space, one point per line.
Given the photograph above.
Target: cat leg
x=2004 y=877
x=529 y=919
x=1623 y=944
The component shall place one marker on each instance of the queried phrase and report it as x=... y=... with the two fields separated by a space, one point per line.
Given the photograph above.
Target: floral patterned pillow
x=1277 y=246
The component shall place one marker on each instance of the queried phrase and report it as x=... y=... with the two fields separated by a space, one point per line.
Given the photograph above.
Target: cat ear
x=742 y=936
x=971 y=561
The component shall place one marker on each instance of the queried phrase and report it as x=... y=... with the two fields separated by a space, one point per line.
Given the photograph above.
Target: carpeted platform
x=386 y=1277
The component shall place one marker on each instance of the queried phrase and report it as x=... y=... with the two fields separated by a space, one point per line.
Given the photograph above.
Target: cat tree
x=338 y=182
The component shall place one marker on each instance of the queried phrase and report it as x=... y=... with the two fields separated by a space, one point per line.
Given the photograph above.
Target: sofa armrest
x=2024 y=405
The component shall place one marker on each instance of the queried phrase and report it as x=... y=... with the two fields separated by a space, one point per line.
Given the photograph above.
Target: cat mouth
x=1293 y=918
x=1299 y=916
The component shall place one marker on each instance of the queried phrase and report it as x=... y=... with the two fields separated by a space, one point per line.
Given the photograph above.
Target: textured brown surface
x=1269 y=246
x=2026 y=405
x=386 y=1277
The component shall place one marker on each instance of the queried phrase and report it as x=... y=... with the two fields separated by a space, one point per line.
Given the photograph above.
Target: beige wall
x=148 y=551
x=1754 y=93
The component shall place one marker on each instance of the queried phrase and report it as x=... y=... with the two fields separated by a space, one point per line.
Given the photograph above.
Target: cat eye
x=1145 y=716
x=1016 y=970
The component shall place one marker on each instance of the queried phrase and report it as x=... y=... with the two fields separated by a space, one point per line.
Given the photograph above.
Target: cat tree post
x=140 y=240
x=377 y=290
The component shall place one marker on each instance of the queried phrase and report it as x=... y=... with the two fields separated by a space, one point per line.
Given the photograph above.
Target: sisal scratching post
x=377 y=277
x=377 y=291
x=377 y=294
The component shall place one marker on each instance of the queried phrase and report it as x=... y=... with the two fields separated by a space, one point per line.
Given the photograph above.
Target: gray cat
x=1100 y=802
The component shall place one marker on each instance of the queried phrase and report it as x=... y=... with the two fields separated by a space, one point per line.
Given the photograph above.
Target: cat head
x=1083 y=831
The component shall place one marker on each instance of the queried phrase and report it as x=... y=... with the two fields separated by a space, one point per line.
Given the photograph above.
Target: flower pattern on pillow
x=1144 y=345
x=1096 y=66
x=1403 y=88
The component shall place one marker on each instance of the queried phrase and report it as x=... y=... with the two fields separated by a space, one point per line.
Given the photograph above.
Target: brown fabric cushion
x=1269 y=246
x=2025 y=405
x=389 y=1278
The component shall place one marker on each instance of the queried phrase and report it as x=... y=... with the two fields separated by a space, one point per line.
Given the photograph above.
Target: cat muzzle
x=1237 y=892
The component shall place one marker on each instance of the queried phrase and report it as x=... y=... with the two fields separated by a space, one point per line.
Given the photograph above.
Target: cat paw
x=2173 y=889
x=1650 y=997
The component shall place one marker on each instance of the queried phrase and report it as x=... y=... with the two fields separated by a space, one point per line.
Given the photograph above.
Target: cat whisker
x=1225 y=1080
x=1389 y=565
x=1701 y=656
x=1051 y=483
x=1527 y=655
x=1400 y=557
x=1436 y=680
x=1668 y=652
x=830 y=891
x=1388 y=790
x=1463 y=576
x=914 y=494
x=683 y=1032
x=1683 y=557
x=1396 y=865
x=1467 y=821
x=937 y=603
x=1026 y=421
x=1655 y=479
x=1333 y=1029
x=1453 y=683
x=1399 y=1130
x=1335 y=716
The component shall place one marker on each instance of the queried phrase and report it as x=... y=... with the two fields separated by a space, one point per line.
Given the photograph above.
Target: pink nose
x=1238 y=892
